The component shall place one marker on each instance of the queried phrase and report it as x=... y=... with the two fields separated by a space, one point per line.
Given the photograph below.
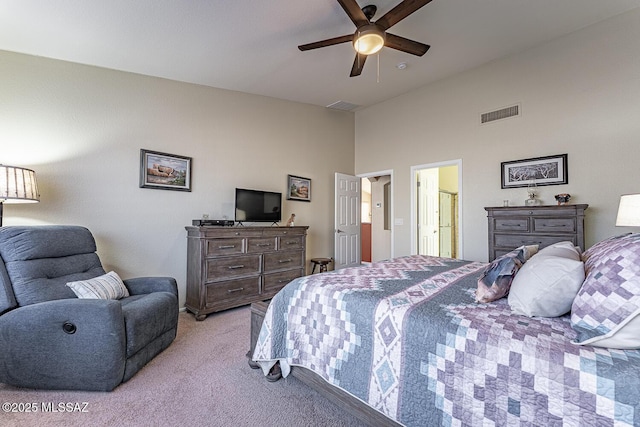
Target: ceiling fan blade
x=358 y=65
x=354 y=11
x=398 y=13
x=328 y=42
x=406 y=45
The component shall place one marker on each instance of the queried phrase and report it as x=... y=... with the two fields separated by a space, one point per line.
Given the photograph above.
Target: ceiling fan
x=370 y=37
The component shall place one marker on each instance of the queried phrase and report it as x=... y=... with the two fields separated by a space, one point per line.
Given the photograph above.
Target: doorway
x=376 y=212
x=436 y=209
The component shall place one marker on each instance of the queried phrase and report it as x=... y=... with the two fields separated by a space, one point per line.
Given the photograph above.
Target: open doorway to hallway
x=436 y=209
x=376 y=230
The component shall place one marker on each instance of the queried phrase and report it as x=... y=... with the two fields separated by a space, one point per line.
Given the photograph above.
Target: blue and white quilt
x=406 y=337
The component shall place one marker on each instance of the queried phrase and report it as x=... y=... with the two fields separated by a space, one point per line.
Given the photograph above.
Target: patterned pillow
x=604 y=311
x=495 y=281
x=107 y=286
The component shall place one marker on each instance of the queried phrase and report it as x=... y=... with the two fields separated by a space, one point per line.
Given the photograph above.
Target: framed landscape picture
x=299 y=188
x=164 y=171
x=550 y=170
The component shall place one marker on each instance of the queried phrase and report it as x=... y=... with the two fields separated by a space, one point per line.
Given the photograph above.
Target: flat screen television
x=258 y=206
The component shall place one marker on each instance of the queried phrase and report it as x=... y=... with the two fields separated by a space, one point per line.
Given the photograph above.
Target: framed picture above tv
x=164 y=171
x=298 y=188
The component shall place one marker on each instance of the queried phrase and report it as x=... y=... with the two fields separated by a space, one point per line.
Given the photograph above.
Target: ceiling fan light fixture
x=368 y=40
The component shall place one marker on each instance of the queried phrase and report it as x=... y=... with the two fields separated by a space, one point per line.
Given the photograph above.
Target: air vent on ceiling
x=343 y=106
x=503 y=113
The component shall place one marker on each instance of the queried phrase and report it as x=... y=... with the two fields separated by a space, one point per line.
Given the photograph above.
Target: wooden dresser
x=511 y=227
x=232 y=266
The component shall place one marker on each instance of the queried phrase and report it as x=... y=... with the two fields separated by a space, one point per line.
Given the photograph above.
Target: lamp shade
x=368 y=40
x=629 y=211
x=18 y=185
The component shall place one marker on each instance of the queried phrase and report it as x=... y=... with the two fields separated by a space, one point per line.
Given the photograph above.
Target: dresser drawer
x=513 y=241
x=229 y=267
x=283 y=260
x=232 y=289
x=219 y=232
x=273 y=282
x=534 y=211
x=255 y=244
x=217 y=247
x=290 y=243
x=511 y=224
x=284 y=231
x=554 y=225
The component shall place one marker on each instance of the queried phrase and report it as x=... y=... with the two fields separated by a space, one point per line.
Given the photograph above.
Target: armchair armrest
x=64 y=344
x=147 y=285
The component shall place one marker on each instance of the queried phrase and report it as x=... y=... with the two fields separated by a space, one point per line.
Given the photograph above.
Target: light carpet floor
x=202 y=379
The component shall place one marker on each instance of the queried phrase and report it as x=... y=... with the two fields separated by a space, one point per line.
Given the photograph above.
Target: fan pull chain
x=378 y=80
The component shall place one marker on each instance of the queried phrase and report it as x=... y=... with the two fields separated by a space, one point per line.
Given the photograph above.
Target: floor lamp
x=17 y=185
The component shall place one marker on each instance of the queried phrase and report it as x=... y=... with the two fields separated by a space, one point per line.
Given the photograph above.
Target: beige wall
x=580 y=95
x=81 y=129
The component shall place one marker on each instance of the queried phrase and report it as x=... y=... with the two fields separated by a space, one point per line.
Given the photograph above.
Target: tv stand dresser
x=233 y=266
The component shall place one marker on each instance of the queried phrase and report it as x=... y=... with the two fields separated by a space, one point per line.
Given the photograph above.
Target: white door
x=428 y=217
x=347 y=221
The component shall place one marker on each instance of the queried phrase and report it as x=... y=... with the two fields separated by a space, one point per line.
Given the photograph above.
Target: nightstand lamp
x=17 y=185
x=629 y=211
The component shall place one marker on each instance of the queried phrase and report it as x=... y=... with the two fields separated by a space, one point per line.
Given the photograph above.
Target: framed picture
x=550 y=170
x=299 y=188
x=164 y=171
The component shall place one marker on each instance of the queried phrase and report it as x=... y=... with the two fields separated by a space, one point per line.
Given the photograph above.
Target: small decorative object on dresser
x=532 y=191
x=291 y=221
x=233 y=266
x=562 y=198
x=512 y=227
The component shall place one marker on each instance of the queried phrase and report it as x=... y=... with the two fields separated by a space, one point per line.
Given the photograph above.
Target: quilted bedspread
x=406 y=337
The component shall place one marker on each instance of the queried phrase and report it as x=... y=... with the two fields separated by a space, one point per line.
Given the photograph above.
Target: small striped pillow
x=107 y=286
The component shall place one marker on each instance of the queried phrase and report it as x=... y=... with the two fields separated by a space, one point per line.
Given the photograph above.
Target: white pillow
x=561 y=249
x=107 y=286
x=546 y=286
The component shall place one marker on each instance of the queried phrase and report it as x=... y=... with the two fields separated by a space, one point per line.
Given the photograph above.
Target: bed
x=406 y=341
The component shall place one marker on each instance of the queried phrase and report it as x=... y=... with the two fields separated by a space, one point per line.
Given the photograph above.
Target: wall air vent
x=343 y=106
x=503 y=113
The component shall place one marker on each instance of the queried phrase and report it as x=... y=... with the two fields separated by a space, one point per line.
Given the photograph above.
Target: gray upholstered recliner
x=49 y=338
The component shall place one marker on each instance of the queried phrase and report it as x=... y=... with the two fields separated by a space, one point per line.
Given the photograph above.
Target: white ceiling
x=251 y=45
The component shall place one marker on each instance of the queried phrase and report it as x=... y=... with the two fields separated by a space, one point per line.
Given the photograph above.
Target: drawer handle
x=230 y=291
x=284 y=261
x=292 y=243
x=263 y=244
x=511 y=225
x=283 y=281
x=226 y=246
x=554 y=225
x=524 y=242
x=235 y=267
